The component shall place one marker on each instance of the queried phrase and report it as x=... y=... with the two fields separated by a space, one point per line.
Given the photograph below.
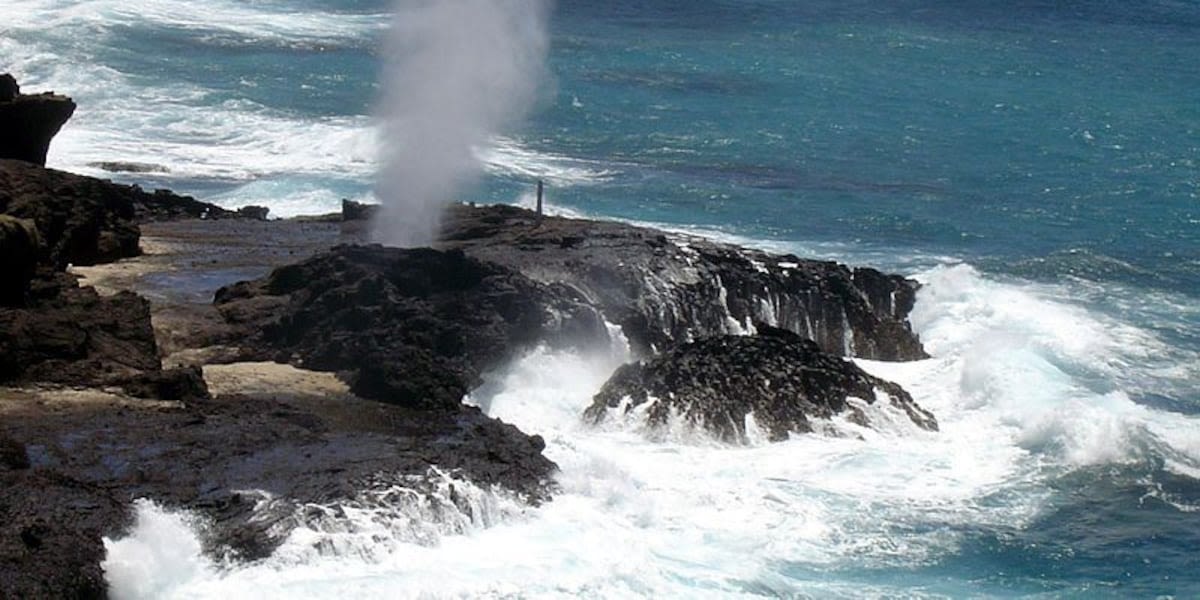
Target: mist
x=455 y=73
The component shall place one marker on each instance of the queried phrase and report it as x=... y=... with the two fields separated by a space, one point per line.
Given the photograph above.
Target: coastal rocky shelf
x=663 y=288
x=155 y=347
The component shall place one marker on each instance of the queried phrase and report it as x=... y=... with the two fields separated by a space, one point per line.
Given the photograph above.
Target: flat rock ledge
x=783 y=382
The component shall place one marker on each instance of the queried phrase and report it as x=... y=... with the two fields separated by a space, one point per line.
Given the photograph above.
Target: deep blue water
x=1052 y=146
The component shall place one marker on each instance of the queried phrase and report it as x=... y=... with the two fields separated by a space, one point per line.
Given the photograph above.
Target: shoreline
x=165 y=349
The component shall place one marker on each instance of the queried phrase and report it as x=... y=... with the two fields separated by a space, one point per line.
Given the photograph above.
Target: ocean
x=1034 y=164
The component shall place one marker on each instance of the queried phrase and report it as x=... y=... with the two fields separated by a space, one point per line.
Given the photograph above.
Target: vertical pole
x=539 y=200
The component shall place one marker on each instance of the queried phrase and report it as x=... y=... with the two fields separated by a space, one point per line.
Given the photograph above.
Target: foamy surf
x=680 y=514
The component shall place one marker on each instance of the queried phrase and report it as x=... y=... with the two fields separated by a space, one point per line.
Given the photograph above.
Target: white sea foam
x=270 y=21
x=188 y=131
x=162 y=552
x=683 y=515
x=176 y=127
x=506 y=157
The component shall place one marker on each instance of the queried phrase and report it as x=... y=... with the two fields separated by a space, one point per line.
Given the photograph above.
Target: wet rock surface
x=50 y=537
x=666 y=288
x=29 y=121
x=91 y=454
x=784 y=381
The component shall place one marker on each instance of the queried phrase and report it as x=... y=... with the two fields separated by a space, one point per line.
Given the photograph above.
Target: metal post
x=539 y=200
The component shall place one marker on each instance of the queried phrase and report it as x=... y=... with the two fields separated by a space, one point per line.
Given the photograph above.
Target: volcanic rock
x=20 y=246
x=411 y=327
x=784 y=381
x=666 y=288
x=358 y=211
x=29 y=122
x=87 y=221
x=71 y=335
x=50 y=535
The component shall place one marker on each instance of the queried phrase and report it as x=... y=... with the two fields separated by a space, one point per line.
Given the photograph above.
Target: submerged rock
x=29 y=121
x=665 y=288
x=784 y=381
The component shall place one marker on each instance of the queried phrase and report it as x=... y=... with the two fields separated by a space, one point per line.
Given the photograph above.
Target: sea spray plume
x=455 y=73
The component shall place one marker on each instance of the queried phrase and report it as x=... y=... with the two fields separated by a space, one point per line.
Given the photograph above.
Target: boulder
x=28 y=122
x=82 y=221
x=784 y=381
x=20 y=246
x=8 y=88
x=71 y=335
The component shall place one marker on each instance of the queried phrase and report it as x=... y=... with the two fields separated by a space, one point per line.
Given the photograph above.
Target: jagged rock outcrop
x=412 y=327
x=86 y=221
x=82 y=221
x=29 y=121
x=91 y=455
x=358 y=211
x=665 y=288
x=784 y=381
x=70 y=335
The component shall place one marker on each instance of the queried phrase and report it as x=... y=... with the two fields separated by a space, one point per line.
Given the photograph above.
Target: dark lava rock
x=12 y=454
x=182 y=383
x=129 y=167
x=257 y=213
x=165 y=205
x=357 y=211
x=50 y=535
x=221 y=459
x=663 y=289
x=82 y=221
x=785 y=381
x=72 y=335
x=412 y=327
x=8 y=88
x=87 y=221
x=20 y=247
x=29 y=122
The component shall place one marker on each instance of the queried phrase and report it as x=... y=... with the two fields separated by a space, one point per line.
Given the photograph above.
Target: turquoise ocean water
x=1035 y=164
